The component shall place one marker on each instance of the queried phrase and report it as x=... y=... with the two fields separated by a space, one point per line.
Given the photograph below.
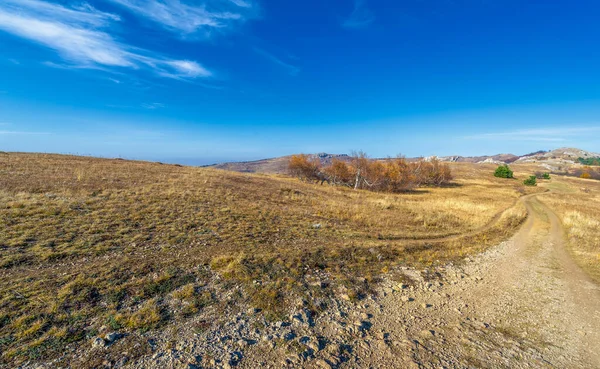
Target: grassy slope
x=90 y=242
x=577 y=202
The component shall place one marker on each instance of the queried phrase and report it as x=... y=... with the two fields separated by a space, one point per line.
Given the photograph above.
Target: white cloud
x=21 y=133
x=153 y=106
x=550 y=134
x=360 y=17
x=80 y=36
x=242 y=3
x=177 y=16
x=291 y=69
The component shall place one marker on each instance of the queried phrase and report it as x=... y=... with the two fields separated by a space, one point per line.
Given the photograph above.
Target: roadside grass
x=90 y=243
x=577 y=203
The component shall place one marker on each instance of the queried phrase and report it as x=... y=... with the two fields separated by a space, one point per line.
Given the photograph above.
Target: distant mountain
x=566 y=154
x=553 y=160
x=503 y=158
x=273 y=165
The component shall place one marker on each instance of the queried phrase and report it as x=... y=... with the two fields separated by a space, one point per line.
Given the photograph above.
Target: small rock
x=314 y=346
x=289 y=336
x=121 y=362
x=317 y=226
x=98 y=342
x=112 y=337
x=320 y=363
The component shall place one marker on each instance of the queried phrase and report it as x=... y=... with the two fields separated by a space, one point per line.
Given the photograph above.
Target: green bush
x=503 y=171
x=542 y=175
x=589 y=161
x=531 y=181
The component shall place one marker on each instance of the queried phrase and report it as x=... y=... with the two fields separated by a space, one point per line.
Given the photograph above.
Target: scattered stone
x=121 y=362
x=112 y=337
x=289 y=336
x=98 y=342
x=320 y=363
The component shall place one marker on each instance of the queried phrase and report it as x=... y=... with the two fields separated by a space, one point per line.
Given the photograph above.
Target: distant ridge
x=550 y=159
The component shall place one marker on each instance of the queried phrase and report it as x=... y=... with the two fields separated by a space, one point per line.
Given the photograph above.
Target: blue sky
x=201 y=81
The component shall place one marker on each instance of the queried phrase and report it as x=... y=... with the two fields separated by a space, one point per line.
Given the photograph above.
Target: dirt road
x=521 y=304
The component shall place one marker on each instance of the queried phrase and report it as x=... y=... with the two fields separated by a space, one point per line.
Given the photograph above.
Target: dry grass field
x=87 y=242
x=577 y=202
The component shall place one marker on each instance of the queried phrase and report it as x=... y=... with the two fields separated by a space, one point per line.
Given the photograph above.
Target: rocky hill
x=274 y=165
x=553 y=160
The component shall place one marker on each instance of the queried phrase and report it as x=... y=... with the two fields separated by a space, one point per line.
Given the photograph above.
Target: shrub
x=531 y=181
x=304 y=167
x=503 y=171
x=540 y=175
x=390 y=175
x=589 y=161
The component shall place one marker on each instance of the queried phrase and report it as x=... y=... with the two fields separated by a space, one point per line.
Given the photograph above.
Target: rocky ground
x=522 y=304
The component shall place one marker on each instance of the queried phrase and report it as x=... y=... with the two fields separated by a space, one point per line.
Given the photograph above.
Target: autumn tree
x=361 y=172
x=304 y=167
x=339 y=173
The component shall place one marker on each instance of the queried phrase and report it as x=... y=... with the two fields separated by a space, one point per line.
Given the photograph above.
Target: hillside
x=115 y=263
x=273 y=165
x=554 y=160
x=91 y=245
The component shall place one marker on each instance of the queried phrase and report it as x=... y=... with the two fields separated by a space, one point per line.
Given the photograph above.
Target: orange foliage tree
x=304 y=167
x=389 y=175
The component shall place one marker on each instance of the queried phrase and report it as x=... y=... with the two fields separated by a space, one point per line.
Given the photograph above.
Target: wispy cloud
x=360 y=17
x=551 y=134
x=205 y=16
x=153 y=106
x=81 y=36
x=22 y=133
x=291 y=69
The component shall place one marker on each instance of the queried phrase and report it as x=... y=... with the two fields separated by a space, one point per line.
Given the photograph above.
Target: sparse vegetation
x=391 y=175
x=503 y=171
x=589 y=161
x=135 y=245
x=578 y=204
x=531 y=181
x=585 y=172
x=542 y=175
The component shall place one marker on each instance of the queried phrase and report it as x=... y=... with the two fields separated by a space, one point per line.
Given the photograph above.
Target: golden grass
x=577 y=202
x=87 y=242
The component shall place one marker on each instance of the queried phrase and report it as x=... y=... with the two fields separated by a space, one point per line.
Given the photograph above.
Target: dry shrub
x=391 y=175
x=304 y=167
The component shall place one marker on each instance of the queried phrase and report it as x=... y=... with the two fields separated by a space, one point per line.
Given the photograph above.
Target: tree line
x=361 y=172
